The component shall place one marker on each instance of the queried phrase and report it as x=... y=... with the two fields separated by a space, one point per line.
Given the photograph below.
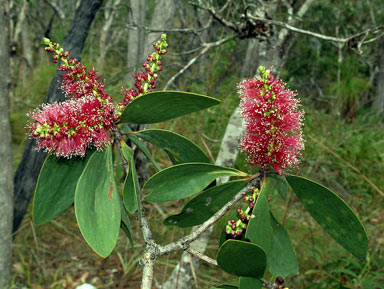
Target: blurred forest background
x=341 y=86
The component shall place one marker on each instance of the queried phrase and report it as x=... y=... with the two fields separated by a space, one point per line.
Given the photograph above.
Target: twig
x=206 y=48
x=150 y=255
x=145 y=229
x=207 y=149
x=287 y=202
x=208 y=7
x=180 y=30
x=193 y=271
x=147 y=279
x=345 y=40
x=201 y=256
x=209 y=138
x=184 y=242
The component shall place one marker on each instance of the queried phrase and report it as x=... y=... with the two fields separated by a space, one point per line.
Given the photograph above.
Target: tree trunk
x=136 y=36
x=6 y=184
x=109 y=15
x=161 y=19
x=379 y=99
x=249 y=66
x=32 y=160
x=27 y=49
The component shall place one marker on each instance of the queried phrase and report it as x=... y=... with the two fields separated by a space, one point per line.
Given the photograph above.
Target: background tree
x=6 y=186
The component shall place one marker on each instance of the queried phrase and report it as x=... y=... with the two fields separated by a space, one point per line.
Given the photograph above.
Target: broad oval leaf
x=184 y=180
x=180 y=149
x=56 y=185
x=205 y=205
x=280 y=184
x=165 y=105
x=250 y=283
x=332 y=214
x=282 y=258
x=242 y=259
x=97 y=204
x=259 y=229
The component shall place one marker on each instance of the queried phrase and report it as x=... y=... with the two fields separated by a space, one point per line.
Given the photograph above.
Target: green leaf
x=205 y=205
x=165 y=105
x=230 y=284
x=249 y=283
x=179 y=148
x=184 y=180
x=97 y=204
x=242 y=259
x=125 y=223
x=332 y=214
x=280 y=183
x=56 y=185
x=259 y=229
x=282 y=259
x=142 y=146
x=131 y=189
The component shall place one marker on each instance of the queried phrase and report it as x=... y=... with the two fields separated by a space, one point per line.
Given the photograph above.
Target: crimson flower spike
x=146 y=81
x=272 y=122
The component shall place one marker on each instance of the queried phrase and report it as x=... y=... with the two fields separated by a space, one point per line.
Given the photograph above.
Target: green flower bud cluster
x=235 y=228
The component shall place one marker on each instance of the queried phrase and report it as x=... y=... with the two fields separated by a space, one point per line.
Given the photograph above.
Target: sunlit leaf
x=165 y=105
x=184 y=180
x=97 y=204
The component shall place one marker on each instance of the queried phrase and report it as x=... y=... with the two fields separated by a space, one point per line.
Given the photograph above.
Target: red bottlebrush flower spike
x=77 y=81
x=272 y=122
x=88 y=115
x=67 y=129
x=145 y=81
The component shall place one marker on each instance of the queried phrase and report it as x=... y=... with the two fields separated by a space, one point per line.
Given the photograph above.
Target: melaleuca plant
x=87 y=136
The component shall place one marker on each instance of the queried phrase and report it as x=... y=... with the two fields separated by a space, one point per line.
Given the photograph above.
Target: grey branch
x=205 y=48
x=201 y=256
x=180 y=30
x=374 y=30
x=184 y=242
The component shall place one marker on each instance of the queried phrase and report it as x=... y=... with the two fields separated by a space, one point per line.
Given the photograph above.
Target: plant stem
x=184 y=242
x=147 y=278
